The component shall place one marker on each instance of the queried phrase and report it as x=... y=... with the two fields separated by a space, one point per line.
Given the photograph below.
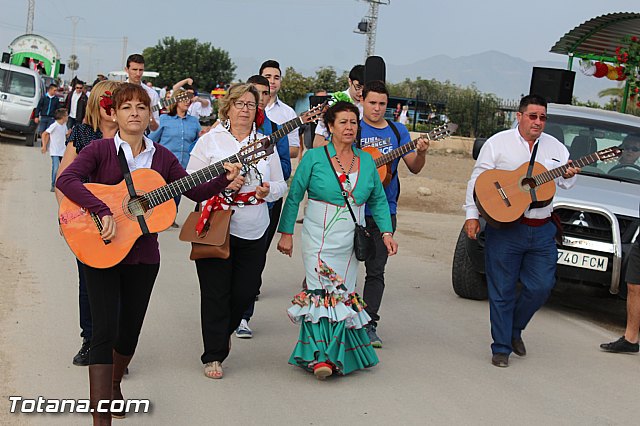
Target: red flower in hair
x=259 y=118
x=106 y=102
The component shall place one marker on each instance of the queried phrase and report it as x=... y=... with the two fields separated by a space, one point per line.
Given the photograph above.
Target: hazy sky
x=305 y=34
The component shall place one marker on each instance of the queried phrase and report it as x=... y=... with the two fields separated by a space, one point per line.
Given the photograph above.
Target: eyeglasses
x=241 y=104
x=357 y=87
x=78 y=87
x=631 y=148
x=533 y=116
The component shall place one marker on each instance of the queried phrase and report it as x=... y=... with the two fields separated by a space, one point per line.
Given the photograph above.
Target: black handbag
x=362 y=241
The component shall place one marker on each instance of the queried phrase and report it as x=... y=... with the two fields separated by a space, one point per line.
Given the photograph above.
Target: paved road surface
x=435 y=365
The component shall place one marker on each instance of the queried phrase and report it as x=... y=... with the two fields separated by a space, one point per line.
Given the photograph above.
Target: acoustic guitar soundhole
x=527 y=184
x=138 y=206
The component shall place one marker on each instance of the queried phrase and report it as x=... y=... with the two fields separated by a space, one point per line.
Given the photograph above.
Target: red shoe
x=322 y=370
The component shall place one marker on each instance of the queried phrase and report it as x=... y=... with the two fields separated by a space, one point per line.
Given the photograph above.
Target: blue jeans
x=55 y=163
x=518 y=253
x=45 y=122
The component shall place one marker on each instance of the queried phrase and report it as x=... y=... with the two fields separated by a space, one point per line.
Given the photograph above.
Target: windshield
x=584 y=136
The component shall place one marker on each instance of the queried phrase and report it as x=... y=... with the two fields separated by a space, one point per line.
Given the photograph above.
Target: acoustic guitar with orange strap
x=383 y=160
x=502 y=196
x=81 y=229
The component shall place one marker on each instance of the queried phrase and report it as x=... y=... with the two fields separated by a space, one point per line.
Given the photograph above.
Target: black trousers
x=227 y=288
x=86 y=325
x=119 y=297
x=374 y=278
x=274 y=218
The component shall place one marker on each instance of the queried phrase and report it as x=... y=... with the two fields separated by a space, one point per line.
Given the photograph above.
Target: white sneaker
x=243 y=331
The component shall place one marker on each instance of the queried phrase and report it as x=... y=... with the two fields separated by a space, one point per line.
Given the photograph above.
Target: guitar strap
x=532 y=191
x=397 y=134
x=130 y=188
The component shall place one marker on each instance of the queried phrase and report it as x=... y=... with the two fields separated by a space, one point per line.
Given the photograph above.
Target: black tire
x=467 y=282
x=31 y=138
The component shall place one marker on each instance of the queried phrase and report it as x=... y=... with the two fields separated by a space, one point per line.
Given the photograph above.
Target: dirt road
x=435 y=365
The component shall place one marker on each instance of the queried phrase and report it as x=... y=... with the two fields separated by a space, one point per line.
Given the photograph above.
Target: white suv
x=20 y=90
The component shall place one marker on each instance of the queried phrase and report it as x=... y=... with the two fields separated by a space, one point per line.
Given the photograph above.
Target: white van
x=20 y=90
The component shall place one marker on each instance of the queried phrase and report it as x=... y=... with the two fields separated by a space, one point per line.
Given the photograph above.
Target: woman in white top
x=228 y=286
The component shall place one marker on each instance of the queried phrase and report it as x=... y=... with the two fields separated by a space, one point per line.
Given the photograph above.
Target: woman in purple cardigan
x=119 y=295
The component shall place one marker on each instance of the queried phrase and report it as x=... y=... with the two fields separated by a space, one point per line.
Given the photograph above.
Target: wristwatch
x=387 y=233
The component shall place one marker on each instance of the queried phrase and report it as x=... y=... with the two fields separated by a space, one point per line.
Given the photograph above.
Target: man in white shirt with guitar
x=525 y=250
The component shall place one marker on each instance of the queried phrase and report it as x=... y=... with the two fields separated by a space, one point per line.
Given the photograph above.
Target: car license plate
x=582 y=260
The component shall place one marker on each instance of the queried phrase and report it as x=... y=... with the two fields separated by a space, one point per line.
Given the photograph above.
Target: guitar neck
x=286 y=128
x=182 y=185
x=163 y=103
x=550 y=175
x=396 y=153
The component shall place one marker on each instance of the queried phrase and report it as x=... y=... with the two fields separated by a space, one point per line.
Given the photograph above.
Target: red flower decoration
x=106 y=102
x=601 y=69
x=259 y=118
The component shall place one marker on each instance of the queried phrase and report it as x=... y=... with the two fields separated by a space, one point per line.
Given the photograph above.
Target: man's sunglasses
x=533 y=116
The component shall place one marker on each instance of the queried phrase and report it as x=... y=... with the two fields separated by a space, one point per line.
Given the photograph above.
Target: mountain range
x=506 y=76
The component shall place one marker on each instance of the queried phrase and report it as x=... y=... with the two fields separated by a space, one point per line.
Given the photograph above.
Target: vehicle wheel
x=467 y=282
x=31 y=138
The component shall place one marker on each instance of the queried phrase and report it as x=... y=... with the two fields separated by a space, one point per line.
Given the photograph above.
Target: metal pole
x=124 y=51
x=90 y=72
x=30 y=14
x=625 y=96
x=74 y=21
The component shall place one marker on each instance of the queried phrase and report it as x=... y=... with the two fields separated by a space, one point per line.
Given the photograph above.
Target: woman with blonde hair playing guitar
x=120 y=293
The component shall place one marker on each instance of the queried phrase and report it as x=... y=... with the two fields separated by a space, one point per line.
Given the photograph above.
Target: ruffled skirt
x=330 y=313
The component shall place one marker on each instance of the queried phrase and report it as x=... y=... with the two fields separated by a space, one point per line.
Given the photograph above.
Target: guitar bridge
x=98 y=223
x=503 y=195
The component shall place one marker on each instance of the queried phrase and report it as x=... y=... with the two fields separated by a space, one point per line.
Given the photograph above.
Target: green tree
x=343 y=81
x=294 y=86
x=327 y=79
x=176 y=60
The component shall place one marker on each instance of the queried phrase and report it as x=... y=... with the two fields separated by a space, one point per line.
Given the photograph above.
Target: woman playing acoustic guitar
x=119 y=295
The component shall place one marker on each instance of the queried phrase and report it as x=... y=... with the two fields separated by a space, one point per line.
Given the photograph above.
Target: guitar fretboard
x=286 y=128
x=163 y=103
x=180 y=186
x=550 y=175
x=400 y=151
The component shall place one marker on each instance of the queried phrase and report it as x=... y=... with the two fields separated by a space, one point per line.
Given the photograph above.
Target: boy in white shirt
x=56 y=134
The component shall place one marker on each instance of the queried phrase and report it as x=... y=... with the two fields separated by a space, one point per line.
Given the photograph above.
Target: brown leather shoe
x=500 y=360
x=517 y=345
